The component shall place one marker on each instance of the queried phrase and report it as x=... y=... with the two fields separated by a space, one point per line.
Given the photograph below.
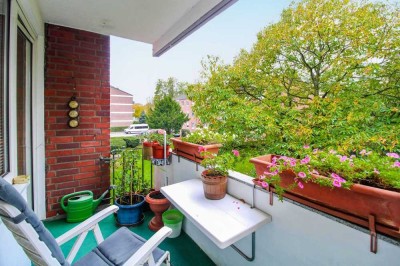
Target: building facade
x=121 y=112
x=186 y=107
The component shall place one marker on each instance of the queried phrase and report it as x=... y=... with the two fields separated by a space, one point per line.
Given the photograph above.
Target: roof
x=115 y=88
x=162 y=23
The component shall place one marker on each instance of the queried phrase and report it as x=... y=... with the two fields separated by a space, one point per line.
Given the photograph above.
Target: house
x=55 y=68
x=186 y=107
x=120 y=107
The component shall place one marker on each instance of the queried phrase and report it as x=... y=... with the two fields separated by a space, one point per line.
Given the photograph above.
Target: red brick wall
x=77 y=63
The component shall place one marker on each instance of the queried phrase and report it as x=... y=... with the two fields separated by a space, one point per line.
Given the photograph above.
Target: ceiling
x=162 y=23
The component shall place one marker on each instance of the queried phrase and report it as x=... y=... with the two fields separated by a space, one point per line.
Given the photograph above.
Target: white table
x=224 y=221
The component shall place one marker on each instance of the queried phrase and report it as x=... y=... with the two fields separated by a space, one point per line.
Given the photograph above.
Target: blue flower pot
x=129 y=214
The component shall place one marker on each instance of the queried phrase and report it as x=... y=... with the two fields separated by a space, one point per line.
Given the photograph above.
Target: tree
x=142 y=118
x=326 y=74
x=167 y=115
x=170 y=87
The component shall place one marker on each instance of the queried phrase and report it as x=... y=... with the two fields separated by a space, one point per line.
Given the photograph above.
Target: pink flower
x=272 y=173
x=376 y=171
x=363 y=152
x=264 y=184
x=396 y=164
x=293 y=162
x=300 y=185
x=235 y=152
x=336 y=183
x=306 y=146
x=393 y=155
x=343 y=158
x=332 y=152
x=273 y=161
x=338 y=178
x=202 y=149
x=306 y=160
x=335 y=176
x=302 y=174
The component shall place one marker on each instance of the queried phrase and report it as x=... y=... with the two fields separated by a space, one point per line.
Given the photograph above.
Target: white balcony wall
x=297 y=235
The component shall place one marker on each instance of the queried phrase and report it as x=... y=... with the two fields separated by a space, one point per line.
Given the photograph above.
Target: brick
x=91 y=144
x=67 y=159
x=65 y=146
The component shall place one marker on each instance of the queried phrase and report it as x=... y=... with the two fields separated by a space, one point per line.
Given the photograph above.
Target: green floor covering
x=184 y=251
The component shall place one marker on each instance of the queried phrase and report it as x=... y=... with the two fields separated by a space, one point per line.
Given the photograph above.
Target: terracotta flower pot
x=191 y=151
x=158 y=204
x=214 y=186
x=147 y=150
x=355 y=204
x=158 y=151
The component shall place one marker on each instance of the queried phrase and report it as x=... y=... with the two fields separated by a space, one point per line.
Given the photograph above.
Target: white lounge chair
x=123 y=247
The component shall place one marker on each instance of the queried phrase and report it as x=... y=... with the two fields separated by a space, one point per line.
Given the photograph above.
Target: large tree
x=167 y=115
x=170 y=87
x=326 y=74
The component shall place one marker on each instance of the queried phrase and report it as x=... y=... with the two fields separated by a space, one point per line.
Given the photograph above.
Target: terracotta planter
x=214 y=186
x=355 y=204
x=158 y=151
x=158 y=204
x=147 y=150
x=191 y=151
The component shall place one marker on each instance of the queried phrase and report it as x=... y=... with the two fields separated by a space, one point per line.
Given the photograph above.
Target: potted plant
x=189 y=145
x=352 y=187
x=158 y=204
x=128 y=185
x=215 y=175
x=157 y=140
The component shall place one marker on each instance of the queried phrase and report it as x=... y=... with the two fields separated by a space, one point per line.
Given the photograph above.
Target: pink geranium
x=264 y=184
x=396 y=164
x=235 y=152
x=300 y=185
x=302 y=174
x=306 y=160
x=202 y=149
x=393 y=155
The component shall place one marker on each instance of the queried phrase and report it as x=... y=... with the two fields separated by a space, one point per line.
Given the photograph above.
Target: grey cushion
x=10 y=195
x=116 y=249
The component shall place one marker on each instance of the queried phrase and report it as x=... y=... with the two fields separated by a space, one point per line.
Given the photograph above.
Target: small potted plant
x=157 y=140
x=215 y=175
x=357 y=185
x=128 y=185
x=189 y=145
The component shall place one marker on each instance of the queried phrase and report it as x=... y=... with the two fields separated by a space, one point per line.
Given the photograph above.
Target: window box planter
x=190 y=150
x=361 y=204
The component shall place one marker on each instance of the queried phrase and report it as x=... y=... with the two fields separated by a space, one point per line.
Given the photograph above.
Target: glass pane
x=3 y=74
x=24 y=48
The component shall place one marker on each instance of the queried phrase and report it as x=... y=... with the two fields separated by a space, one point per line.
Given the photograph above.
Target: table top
x=224 y=221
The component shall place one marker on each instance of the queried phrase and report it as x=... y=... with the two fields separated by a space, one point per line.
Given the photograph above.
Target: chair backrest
x=30 y=233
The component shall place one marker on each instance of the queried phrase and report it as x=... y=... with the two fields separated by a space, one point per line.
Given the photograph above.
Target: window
x=4 y=20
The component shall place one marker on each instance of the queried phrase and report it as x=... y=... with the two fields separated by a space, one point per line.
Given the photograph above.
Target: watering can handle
x=66 y=197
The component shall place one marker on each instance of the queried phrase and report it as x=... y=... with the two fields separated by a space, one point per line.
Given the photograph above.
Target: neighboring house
x=186 y=107
x=52 y=51
x=121 y=111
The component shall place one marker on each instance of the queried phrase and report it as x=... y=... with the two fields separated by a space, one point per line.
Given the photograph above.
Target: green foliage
x=119 y=142
x=142 y=118
x=167 y=115
x=127 y=173
x=327 y=74
x=132 y=143
x=204 y=136
x=170 y=87
x=117 y=129
x=218 y=164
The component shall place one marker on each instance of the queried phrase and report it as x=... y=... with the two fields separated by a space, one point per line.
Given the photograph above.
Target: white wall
x=296 y=235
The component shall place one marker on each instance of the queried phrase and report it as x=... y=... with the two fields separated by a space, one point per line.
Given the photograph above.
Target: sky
x=135 y=70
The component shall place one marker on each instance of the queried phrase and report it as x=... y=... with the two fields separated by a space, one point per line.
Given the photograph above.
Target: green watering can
x=81 y=205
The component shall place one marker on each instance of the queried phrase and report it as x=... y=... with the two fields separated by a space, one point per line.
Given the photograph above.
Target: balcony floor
x=184 y=251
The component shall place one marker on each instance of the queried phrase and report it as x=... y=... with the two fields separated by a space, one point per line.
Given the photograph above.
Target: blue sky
x=134 y=70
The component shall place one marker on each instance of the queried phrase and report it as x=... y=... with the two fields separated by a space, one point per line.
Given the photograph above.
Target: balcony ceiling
x=162 y=23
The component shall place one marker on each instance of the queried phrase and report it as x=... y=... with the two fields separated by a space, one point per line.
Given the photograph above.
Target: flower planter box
x=191 y=151
x=356 y=205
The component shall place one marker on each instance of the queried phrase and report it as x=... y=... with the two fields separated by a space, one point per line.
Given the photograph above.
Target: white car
x=137 y=129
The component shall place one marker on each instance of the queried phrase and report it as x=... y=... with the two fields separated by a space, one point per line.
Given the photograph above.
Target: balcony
x=297 y=233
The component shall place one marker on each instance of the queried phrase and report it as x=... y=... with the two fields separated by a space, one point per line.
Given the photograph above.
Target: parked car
x=137 y=129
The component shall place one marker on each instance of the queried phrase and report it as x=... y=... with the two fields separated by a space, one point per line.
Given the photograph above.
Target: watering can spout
x=97 y=201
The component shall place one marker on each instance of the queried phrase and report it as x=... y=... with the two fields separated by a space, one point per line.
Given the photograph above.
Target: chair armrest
x=86 y=225
x=146 y=250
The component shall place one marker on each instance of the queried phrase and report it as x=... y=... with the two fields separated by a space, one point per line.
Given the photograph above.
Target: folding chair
x=123 y=247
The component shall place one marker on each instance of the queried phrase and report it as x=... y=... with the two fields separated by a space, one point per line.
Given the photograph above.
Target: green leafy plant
x=204 y=136
x=218 y=165
x=332 y=169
